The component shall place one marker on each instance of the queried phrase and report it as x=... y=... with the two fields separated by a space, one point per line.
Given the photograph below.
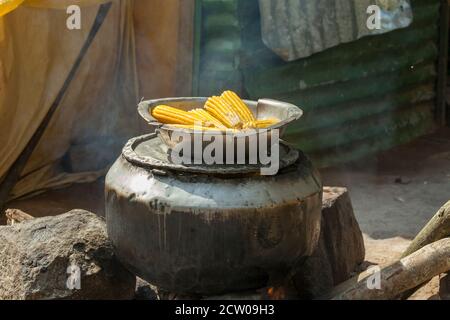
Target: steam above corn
x=226 y=113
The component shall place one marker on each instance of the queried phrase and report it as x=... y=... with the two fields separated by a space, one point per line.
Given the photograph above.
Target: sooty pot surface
x=208 y=234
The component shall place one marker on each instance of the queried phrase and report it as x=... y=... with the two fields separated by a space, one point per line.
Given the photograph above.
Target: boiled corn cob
x=222 y=111
x=262 y=123
x=171 y=115
x=207 y=117
x=245 y=114
x=194 y=127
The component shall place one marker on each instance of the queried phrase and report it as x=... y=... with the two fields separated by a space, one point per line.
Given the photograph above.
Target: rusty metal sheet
x=295 y=29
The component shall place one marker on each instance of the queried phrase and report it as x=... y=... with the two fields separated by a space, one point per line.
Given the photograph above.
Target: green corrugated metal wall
x=358 y=98
x=219 y=40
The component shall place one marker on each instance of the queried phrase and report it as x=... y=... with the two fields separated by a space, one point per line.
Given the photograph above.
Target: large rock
x=340 y=249
x=36 y=255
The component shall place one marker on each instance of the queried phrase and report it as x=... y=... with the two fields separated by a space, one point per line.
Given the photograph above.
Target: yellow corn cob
x=207 y=117
x=262 y=123
x=222 y=111
x=194 y=127
x=245 y=114
x=171 y=115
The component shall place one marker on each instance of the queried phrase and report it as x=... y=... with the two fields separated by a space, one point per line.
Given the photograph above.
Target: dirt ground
x=393 y=194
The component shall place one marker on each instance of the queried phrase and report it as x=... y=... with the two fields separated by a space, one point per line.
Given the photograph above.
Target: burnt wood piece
x=444 y=286
x=340 y=249
x=16 y=216
x=398 y=277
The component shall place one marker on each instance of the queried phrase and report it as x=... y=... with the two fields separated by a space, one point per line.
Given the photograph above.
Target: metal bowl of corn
x=219 y=115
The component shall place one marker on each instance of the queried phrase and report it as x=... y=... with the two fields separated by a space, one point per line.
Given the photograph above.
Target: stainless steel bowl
x=262 y=109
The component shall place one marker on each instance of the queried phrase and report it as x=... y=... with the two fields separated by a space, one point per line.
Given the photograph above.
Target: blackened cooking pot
x=206 y=231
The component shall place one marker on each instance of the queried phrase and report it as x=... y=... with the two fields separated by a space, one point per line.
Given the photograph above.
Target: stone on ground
x=41 y=259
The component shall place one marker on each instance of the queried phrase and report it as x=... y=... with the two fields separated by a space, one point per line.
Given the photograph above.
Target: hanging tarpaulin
x=98 y=112
x=7 y=6
x=37 y=51
x=295 y=29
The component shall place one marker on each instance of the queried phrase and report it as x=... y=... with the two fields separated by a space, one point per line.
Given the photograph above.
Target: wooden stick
x=16 y=216
x=407 y=273
x=437 y=228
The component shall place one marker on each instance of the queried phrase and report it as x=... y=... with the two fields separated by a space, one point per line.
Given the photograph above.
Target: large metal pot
x=189 y=231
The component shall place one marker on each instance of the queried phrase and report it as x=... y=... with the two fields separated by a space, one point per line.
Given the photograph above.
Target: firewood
x=437 y=228
x=394 y=279
x=16 y=216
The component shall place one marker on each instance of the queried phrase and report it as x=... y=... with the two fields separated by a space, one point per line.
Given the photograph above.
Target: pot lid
x=150 y=152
